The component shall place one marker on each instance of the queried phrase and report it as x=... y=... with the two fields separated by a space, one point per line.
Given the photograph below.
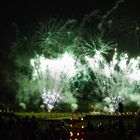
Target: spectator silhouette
x=120 y=107
x=121 y=130
x=33 y=128
x=137 y=124
x=25 y=128
x=90 y=126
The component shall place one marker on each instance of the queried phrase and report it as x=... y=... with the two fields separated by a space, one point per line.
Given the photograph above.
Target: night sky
x=27 y=14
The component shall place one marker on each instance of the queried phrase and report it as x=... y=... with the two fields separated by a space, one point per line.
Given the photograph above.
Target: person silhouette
x=137 y=123
x=120 y=107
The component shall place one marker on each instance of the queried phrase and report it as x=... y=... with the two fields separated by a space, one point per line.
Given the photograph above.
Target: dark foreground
x=89 y=127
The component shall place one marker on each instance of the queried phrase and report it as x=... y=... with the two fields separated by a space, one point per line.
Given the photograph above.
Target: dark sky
x=39 y=9
x=29 y=12
x=28 y=9
x=26 y=13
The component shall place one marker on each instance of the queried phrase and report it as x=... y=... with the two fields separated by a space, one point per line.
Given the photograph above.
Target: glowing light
x=53 y=77
x=70 y=125
x=82 y=119
x=71 y=134
x=50 y=99
x=77 y=134
x=65 y=64
x=118 y=79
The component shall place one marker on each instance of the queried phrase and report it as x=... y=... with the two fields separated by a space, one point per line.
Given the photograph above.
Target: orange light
x=71 y=134
x=70 y=125
x=77 y=134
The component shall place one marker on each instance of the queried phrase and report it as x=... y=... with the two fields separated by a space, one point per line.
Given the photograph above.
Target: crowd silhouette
x=13 y=127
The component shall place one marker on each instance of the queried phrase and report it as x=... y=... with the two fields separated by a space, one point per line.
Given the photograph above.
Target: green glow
x=116 y=84
x=63 y=66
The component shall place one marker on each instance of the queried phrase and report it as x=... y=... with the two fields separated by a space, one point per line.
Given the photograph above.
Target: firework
x=53 y=78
